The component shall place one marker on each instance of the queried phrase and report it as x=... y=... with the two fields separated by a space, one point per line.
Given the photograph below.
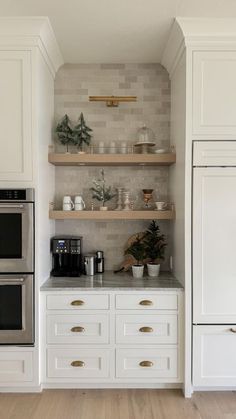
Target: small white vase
x=137 y=271
x=153 y=269
x=103 y=208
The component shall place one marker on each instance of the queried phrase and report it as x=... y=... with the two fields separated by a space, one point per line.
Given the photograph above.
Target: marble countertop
x=110 y=281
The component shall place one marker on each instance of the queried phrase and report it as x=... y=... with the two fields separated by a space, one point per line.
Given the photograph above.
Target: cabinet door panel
x=214 y=245
x=214 y=361
x=214 y=94
x=16 y=120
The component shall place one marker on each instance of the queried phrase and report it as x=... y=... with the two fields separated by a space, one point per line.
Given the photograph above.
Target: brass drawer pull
x=77 y=364
x=233 y=330
x=77 y=303
x=145 y=303
x=77 y=329
x=146 y=364
x=146 y=329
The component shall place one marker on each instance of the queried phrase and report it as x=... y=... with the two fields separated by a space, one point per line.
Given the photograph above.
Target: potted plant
x=81 y=134
x=101 y=192
x=64 y=132
x=137 y=250
x=155 y=244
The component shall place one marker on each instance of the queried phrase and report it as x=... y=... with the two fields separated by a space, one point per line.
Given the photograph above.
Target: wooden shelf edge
x=111 y=215
x=74 y=159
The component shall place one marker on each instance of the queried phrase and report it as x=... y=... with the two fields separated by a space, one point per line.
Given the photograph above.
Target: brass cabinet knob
x=146 y=329
x=146 y=303
x=233 y=330
x=77 y=303
x=78 y=329
x=77 y=364
x=146 y=364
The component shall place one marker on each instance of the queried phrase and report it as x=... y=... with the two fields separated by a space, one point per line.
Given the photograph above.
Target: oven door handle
x=11 y=206
x=11 y=280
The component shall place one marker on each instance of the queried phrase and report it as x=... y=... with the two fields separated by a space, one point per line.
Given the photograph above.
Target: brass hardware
x=112 y=101
x=77 y=364
x=146 y=329
x=145 y=303
x=77 y=303
x=146 y=364
x=77 y=329
x=233 y=330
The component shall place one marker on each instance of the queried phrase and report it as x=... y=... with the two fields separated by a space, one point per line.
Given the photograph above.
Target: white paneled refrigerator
x=214 y=264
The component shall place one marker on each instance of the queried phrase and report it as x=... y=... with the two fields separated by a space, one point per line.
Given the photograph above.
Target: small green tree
x=81 y=133
x=64 y=131
x=154 y=242
x=100 y=191
x=137 y=250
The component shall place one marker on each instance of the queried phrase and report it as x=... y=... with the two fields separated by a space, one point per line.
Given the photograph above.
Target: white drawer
x=146 y=328
x=147 y=302
x=78 y=363
x=78 y=328
x=214 y=360
x=78 y=302
x=16 y=366
x=147 y=363
x=214 y=153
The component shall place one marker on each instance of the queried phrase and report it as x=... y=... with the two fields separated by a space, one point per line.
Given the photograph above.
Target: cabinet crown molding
x=197 y=33
x=32 y=31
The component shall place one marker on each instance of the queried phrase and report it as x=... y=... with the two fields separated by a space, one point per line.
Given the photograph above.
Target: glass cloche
x=145 y=135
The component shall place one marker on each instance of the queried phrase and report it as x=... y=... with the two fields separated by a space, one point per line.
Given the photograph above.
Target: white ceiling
x=93 y=31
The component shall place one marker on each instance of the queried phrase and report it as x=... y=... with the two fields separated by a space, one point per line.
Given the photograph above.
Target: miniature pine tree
x=137 y=250
x=100 y=191
x=81 y=133
x=64 y=131
x=154 y=242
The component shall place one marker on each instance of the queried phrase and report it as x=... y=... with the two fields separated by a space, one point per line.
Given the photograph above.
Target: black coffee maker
x=66 y=256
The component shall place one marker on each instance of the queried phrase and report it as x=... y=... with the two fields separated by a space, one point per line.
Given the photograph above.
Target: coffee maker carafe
x=66 y=256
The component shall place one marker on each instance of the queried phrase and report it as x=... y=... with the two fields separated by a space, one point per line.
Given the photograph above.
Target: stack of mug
x=69 y=205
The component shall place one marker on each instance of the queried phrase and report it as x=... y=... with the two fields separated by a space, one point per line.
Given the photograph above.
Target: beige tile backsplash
x=150 y=83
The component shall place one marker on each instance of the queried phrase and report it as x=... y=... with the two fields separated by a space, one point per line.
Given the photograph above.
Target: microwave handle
x=11 y=206
x=10 y=280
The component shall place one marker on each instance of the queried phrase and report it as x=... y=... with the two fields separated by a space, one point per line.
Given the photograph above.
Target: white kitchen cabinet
x=115 y=342
x=214 y=244
x=214 y=361
x=214 y=94
x=15 y=367
x=16 y=158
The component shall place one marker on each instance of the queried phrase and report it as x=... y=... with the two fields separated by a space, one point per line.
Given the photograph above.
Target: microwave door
x=16 y=309
x=16 y=237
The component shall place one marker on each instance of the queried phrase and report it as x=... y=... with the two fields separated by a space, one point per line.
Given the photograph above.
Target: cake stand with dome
x=145 y=139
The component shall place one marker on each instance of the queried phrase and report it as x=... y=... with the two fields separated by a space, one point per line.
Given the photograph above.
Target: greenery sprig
x=100 y=191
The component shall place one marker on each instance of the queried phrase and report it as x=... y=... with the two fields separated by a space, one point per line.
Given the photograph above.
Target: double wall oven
x=17 y=266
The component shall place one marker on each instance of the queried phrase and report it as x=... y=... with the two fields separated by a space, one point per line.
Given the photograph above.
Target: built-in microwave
x=16 y=309
x=16 y=230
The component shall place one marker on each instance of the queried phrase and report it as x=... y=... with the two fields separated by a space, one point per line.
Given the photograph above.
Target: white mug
x=161 y=206
x=67 y=203
x=79 y=203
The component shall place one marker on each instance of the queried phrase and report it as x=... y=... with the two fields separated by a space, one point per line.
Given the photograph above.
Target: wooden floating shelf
x=111 y=215
x=74 y=159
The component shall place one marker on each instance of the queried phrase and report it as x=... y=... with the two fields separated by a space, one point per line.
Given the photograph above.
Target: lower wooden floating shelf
x=111 y=215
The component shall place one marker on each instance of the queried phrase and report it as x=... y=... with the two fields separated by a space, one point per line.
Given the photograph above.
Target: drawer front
x=214 y=153
x=16 y=367
x=78 y=328
x=78 y=363
x=147 y=302
x=214 y=360
x=78 y=302
x=146 y=329
x=147 y=363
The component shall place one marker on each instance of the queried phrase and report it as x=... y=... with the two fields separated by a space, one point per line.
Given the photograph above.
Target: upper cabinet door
x=214 y=245
x=16 y=116
x=214 y=95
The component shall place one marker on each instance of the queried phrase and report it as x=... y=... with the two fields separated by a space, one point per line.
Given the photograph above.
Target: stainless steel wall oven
x=17 y=266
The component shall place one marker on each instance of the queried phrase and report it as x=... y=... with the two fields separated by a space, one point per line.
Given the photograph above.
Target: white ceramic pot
x=103 y=208
x=153 y=269
x=137 y=271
